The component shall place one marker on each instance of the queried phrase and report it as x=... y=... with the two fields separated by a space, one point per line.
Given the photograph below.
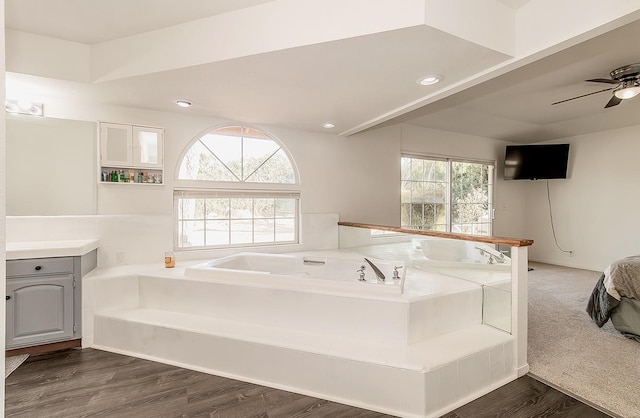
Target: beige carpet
x=569 y=351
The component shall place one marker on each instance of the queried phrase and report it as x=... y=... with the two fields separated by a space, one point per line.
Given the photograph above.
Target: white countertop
x=41 y=249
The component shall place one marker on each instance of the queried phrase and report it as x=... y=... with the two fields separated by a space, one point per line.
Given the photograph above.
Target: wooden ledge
x=514 y=242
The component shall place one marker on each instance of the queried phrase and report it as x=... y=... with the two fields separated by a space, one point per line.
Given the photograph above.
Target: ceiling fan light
x=627 y=92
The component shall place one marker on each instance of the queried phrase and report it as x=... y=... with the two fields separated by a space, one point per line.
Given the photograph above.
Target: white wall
x=50 y=169
x=315 y=154
x=142 y=239
x=595 y=210
x=336 y=172
x=355 y=178
x=138 y=221
x=47 y=56
x=368 y=177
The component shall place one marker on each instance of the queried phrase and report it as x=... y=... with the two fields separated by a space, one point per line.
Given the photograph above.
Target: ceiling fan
x=626 y=79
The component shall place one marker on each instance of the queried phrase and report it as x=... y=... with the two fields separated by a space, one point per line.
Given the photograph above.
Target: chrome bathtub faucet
x=376 y=270
x=493 y=257
x=396 y=275
x=361 y=271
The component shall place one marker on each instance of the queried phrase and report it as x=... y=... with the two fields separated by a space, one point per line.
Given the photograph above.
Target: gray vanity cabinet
x=43 y=300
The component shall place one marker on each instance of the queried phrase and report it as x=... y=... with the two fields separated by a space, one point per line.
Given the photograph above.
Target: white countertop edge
x=42 y=249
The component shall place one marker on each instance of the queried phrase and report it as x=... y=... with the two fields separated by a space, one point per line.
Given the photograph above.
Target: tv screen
x=531 y=162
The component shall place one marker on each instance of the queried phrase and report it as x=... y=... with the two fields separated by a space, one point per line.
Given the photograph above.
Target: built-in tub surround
x=313 y=273
x=468 y=257
x=416 y=353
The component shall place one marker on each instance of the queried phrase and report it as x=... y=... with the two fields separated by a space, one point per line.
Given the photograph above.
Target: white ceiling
x=349 y=81
x=93 y=21
x=515 y=4
x=341 y=81
x=517 y=106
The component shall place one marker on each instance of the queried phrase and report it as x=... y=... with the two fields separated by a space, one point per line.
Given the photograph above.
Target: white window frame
x=194 y=189
x=448 y=180
x=180 y=194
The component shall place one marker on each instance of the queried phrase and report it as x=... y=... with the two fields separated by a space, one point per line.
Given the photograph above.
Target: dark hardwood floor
x=94 y=383
x=526 y=397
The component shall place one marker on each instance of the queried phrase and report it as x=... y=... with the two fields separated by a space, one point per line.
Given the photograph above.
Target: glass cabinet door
x=115 y=144
x=147 y=147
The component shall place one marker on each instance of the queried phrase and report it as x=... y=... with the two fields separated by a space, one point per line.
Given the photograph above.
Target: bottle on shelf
x=117 y=175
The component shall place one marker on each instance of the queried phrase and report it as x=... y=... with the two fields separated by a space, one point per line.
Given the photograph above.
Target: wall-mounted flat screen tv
x=532 y=162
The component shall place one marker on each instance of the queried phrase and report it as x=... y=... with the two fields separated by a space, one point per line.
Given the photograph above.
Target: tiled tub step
x=404 y=320
x=427 y=378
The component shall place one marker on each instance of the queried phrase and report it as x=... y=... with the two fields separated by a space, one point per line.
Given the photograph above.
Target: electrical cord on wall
x=552 y=227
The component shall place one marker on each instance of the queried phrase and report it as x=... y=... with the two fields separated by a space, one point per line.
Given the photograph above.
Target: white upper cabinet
x=131 y=146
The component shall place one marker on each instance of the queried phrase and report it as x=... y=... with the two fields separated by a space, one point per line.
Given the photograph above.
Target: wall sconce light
x=24 y=107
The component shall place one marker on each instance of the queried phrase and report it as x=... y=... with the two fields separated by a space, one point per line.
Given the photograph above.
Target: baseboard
x=521 y=371
x=44 y=348
x=563 y=264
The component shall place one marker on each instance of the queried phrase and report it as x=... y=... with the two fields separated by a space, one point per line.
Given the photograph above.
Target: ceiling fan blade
x=604 y=80
x=613 y=102
x=584 y=95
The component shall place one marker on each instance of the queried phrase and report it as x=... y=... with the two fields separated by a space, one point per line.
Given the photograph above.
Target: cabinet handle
x=38 y=268
x=8 y=297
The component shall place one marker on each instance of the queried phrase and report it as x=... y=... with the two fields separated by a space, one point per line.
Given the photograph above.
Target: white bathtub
x=443 y=252
x=314 y=274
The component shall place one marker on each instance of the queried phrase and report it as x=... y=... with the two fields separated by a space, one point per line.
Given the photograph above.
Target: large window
x=446 y=195
x=236 y=186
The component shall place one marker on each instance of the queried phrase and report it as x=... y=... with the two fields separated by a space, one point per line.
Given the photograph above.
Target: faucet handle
x=396 y=276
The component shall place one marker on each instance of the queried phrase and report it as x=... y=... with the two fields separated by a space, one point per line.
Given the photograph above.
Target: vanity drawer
x=38 y=266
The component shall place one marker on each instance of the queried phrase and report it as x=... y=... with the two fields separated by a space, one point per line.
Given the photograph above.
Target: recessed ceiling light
x=430 y=80
x=183 y=103
x=328 y=125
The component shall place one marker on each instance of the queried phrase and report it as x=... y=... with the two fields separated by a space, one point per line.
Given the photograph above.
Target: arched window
x=237 y=154
x=236 y=186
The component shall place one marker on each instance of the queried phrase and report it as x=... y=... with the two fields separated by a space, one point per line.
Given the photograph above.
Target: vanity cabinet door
x=39 y=310
x=116 y=142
